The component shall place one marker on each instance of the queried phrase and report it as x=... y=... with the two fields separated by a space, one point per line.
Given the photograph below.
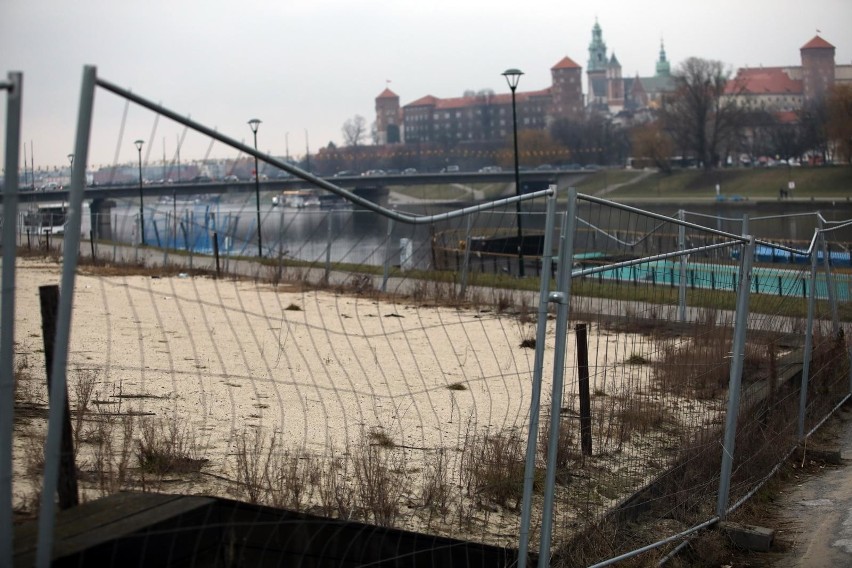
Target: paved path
x=815 y=515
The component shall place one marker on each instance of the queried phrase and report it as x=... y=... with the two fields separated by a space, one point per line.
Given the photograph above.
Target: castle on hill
x=485 y=116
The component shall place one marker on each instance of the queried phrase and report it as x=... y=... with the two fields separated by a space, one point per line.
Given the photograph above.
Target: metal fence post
x=328 y=236
x=386 y=273
x=829 y=280
x=14 y=90
x=563 y=298
x=538 y=369
x=735 y=379
x=809 y=342
x=466 y=262
x=681 y=245
x=63 y=324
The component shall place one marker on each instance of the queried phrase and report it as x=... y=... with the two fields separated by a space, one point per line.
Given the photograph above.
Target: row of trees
x=704 y=118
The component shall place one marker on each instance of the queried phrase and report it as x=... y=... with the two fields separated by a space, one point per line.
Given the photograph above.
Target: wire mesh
x=363 y=370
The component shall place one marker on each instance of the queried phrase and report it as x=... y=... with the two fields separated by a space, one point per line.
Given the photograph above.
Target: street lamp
x=254 y=123
x=513 y=76
x=138 y=144
x=71 y=169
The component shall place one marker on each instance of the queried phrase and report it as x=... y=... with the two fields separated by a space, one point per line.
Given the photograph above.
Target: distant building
x=485 y=116
x=610 y=93
x=480 y=116
x=783 y=90
x=388 y=118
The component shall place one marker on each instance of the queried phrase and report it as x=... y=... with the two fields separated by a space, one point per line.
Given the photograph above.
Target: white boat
x=47 y=218
x=297 y=199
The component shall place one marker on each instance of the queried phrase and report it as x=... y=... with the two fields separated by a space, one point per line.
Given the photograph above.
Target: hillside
x=747 y=183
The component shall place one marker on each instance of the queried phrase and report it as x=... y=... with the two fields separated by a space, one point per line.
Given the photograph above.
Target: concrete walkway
x=814 y=516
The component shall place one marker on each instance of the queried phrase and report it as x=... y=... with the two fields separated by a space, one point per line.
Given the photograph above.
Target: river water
x=357 y=236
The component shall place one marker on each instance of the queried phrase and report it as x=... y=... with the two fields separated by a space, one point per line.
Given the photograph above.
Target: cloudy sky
x=306 y=66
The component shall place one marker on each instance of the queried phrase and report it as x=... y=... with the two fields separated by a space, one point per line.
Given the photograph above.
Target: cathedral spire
x=663 y=66
x=597 y=50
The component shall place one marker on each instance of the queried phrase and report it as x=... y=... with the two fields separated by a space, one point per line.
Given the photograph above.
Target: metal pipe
x=829 y=283
x=809 y=342
x=538 y=371
x=14 y=93
x=652 y=215
x=681 y=246
x=517 y=187
x=386 y=269
x=563 y=297
x=735 y=380
x=632 y=553
x=63 y=324
x=307 y=176
x=466 y=261
x=647 y=259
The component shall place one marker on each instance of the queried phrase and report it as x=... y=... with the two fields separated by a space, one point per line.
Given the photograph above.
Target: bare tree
x=354 y=130
x=651 y=142
x=703 y=113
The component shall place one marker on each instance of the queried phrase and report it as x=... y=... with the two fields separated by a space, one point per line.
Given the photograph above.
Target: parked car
x=490 y=170
x=409 y=171
x=450 y=170
x=231 y=177
x=345 y=173
x=374 y=173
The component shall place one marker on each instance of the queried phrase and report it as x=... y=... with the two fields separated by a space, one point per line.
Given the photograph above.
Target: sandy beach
x=317 y=370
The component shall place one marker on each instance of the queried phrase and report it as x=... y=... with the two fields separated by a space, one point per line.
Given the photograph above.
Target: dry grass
x=493 y=467
x=167 y=446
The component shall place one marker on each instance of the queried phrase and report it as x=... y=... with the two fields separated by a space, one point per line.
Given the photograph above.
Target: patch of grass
x=167 y=446
x=457 y=387
x=747 y=182
x=492 y=467
x=636 y=359
x=378 y=437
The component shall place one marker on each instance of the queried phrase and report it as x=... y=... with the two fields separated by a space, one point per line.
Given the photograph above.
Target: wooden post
x=216 y=251
x=67 y=486
x=92 y=245
x=585 y=397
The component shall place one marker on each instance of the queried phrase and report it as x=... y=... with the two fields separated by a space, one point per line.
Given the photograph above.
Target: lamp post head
x=139 y=144
x=254 y=123
x=512 y=77
x=71 y=158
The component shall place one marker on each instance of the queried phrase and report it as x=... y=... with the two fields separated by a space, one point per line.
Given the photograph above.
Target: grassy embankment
x=746 y=183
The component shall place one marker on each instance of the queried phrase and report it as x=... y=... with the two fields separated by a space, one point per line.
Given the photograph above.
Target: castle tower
x=663 y=67
x=817 y=68
x=388 y=118
x=567 y=89
x=614 y=85
x=596 y=68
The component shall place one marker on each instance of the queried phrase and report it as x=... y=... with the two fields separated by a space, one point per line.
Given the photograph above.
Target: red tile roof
x=817 y=43
x=387 y=93
x=428 y=100
x=764 y=80
x=566 y=63
x=464 y=102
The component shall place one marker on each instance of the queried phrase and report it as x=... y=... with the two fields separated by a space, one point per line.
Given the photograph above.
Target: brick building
x=787 y=89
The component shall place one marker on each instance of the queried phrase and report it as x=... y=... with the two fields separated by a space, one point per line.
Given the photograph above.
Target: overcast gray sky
x=309 y=65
